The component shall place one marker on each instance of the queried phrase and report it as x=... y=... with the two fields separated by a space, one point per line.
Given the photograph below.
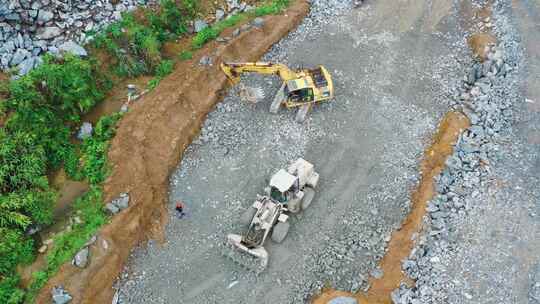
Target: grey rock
x=27 y=65
x=60 y=296
x=74 y=48
x=246 y=27
x=9 y=46
x=44 y=16
x=48 y=32
x=85 y=131
x=205 y=60
x=236 y=32
x=81 y=258
x=19 y=56
x=122 y=202
x=111 y=209
x=258 y=22
x=12 y=17
x=200 y=25
x=377 y=273
x=220 y=14
x=343 y=300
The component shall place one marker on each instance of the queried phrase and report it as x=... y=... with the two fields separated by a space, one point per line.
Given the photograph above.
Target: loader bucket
x=255 y=259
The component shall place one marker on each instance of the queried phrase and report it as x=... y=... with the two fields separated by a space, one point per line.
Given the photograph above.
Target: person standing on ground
x=180 y=209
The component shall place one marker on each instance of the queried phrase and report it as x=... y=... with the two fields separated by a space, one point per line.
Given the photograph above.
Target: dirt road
x=395 y=65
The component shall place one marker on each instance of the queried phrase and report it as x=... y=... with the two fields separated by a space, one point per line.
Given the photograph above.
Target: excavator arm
x=233 y=70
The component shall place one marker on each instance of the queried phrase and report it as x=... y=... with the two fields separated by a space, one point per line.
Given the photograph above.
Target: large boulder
x=73 y=48
x=19 y=56
x=81 y=258
x=48 y=32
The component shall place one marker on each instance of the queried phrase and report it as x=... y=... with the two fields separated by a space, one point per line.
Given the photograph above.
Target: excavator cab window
x=278 y=195
x=301 y=95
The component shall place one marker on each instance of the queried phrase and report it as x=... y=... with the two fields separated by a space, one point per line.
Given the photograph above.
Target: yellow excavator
x=300 y=89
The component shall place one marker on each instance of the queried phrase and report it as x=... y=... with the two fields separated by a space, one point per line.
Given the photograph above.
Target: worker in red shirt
x=180 y=209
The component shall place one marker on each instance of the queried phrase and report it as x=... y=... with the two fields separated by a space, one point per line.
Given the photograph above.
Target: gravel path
x=395 y=67
x=482 y=243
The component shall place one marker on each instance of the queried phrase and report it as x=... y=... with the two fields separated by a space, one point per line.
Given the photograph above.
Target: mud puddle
x=402 y=240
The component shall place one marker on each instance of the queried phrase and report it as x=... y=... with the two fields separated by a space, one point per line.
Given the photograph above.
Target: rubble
x=118 y=204
x=60 y=26
x=60 y=296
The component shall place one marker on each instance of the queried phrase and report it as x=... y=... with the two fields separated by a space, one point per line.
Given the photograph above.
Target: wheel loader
x=289 y=191
x=300 y=89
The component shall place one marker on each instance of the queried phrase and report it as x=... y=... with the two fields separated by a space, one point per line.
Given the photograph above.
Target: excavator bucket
x=254 y=259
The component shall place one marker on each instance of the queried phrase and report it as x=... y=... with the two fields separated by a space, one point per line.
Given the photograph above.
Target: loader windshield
x=277 y=195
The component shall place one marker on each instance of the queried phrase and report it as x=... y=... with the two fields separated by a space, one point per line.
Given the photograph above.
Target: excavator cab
x=299 y=91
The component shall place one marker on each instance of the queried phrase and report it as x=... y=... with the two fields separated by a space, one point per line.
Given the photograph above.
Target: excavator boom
x=233 y=70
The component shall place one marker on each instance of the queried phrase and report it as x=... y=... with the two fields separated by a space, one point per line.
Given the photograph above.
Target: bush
x=14 y=249
x=9 y=291
x=94 y=149
x=23 y=208
x=185 y=55
x=22 y=161
x=69 y=88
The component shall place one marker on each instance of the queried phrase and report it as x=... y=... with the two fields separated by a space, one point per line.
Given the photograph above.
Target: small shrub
x=190 y=8
x=164 y=68
x=14 y=249
x=22 y=161
x=10 y=293
x=94 y=150
x=185 y=55
x=69 y=87
x=204 y=36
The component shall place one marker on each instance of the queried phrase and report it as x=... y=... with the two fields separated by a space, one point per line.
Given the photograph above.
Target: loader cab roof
x=282 y=180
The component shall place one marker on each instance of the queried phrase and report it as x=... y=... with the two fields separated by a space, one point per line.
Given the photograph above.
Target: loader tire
x=280 y=231
x=247 y=216
x=309 y=194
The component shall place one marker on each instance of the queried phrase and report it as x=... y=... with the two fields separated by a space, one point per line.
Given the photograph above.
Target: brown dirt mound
x=479 y=43
x=401 y=242
x=149 y=144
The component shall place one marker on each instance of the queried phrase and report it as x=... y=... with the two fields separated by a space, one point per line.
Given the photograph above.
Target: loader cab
x=283 y=186
x=299 y=90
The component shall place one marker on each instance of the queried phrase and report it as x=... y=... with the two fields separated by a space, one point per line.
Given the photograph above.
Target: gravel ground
x=394 y=74
x=482 y=244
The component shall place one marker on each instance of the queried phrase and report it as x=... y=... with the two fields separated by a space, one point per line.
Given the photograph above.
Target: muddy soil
x=149 y=143
x=394 y=65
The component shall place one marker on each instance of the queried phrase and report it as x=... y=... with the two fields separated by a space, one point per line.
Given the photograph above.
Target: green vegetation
x=43 y=110
x=162 y=70
x=45 y=106
x=212 y=32
x=89 y=207
x=185 y=55
x=135 y=42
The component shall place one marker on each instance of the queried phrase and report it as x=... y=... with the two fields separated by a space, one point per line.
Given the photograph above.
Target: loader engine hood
x=282 y=180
